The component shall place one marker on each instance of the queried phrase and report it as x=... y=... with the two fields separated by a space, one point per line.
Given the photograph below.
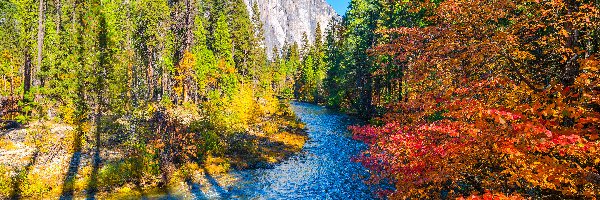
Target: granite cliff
x=285 y=21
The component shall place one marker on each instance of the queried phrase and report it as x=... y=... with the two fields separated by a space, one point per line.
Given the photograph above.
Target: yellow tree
x=184 y=77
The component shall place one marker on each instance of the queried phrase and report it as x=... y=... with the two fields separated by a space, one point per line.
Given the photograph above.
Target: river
x=323 y=170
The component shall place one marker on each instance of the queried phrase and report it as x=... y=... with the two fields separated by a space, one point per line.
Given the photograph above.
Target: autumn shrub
x=67 y=113
x=115 y=174
x=267 y=104
x=216 y=165
x=36 y=185
x=242 y=143
x=270 y=128
x=209 y=141
x=5 y=182
x=35 y=182
x=239 y=109
x=501 y=99
x=136 y=169
x=185 y=172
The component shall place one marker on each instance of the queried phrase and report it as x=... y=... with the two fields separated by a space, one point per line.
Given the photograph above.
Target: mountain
x=285 y=21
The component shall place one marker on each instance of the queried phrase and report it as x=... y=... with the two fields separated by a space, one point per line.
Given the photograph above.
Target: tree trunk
x=40 y=43
x=58 y=15
x=27 y=72
x=189 y=24
x=150 y=74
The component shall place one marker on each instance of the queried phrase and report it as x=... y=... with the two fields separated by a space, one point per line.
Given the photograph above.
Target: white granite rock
x=287 y=20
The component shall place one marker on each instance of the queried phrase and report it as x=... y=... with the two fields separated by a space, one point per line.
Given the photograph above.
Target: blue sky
x=339 y=5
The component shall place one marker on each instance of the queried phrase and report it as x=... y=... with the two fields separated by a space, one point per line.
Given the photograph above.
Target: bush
x=5 y=182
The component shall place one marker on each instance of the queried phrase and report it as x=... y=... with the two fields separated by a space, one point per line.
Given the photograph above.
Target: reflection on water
x=323 y=170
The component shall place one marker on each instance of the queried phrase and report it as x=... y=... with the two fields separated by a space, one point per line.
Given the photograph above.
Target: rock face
x=285 y=21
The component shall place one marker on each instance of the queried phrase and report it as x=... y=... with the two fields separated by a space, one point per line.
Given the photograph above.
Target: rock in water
x=285 y=21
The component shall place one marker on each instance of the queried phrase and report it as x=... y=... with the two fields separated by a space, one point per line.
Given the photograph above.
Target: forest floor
x=42 y=160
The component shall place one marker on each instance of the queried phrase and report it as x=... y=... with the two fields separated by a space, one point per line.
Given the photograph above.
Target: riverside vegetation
x=106 y=98
x=473 y=98
x=464 y=98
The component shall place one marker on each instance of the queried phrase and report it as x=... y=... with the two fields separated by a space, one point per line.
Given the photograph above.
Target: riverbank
x=49 y=160
x=322 y=170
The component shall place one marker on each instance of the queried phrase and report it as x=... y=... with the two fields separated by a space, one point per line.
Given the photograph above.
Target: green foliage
x=307 y=79
x=118 y=173
x=339 y=70
x=149 y=75
x=241 y=30
x=221 y=45
x=210 y=138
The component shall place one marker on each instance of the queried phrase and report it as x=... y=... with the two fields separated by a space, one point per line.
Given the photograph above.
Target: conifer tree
x=241 y=29
x=205 y=59
x=222 y=42
x=258 y=56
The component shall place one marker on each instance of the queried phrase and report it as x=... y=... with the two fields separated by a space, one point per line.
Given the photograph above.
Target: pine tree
x=205 y=68
x=359 y=37
x=258 y=56
x=241 y=37
x=333 y=56
x=222 y=42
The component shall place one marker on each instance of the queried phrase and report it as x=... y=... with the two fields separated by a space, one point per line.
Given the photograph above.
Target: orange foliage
x=503 y=97
x=184 y=76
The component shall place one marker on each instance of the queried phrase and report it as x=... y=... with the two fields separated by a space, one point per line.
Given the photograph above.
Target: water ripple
x=323 y=170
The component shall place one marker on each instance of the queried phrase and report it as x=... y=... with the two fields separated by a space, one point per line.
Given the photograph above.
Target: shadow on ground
x=248 y=151
x=22 y=176
x=69 y=180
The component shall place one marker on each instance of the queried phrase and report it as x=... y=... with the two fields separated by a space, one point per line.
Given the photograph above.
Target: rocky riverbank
x=46 y=159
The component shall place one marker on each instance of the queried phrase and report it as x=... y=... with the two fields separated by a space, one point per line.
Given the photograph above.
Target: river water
x=323 y=170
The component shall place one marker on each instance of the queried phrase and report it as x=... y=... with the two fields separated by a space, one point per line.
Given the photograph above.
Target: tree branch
x=519 y=74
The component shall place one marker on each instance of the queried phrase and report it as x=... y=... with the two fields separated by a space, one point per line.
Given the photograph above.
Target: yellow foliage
x=10 y=78
x=233 y=115
x=225 y=67
x=216 y=165
x=42 y=182
x=184 y=75
x=68 y=113
x=7 y=145
x=270 y=127
x=290 y=139
x=267 y=104
x=5 y=182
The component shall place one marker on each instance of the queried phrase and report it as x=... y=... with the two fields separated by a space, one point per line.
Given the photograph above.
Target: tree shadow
x=138 y=187
x=22 y=175
x=68 y=182
x=194 y=188
x=252 y=152
x=92 y=186
x=7 y=126
x=102 y=64
x=223 y=194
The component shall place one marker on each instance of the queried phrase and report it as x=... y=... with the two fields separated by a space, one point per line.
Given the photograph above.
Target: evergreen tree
x=359 y=37
x=205 y=67
x=258 y=56
x=241 y=29
x=333 y=56
x=222 y=42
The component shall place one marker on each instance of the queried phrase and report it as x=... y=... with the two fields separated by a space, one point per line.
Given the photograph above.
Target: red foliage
x=503 y=99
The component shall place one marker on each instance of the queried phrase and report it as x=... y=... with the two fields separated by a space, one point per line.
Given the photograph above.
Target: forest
x=474 y=99
x=135 y=94
x=462 y=99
